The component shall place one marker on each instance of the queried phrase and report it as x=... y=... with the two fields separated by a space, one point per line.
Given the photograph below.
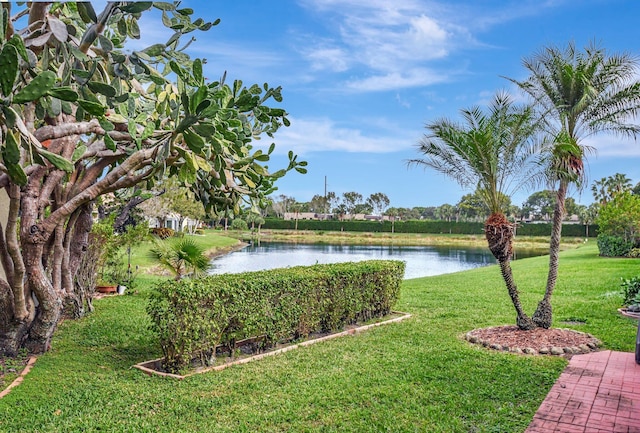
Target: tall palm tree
x=578 y=94
x=492 y=152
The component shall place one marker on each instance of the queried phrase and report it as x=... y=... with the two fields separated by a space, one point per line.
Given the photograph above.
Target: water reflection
x=421 y=261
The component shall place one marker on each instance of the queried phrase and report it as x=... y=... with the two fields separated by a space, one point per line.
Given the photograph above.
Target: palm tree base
x=525 y=323
x=543 y=315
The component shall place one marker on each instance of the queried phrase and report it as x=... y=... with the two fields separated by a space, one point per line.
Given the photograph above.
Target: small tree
x=379 y=202
x=351 y=200
x=619 y=221
x=492 y=151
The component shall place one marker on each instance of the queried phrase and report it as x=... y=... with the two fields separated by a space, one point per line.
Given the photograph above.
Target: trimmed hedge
x=193 y=316
x=422 y=226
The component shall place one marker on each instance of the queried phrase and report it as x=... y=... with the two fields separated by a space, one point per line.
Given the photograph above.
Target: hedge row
x=616 y=246
x=193 y=316
x=423 y=226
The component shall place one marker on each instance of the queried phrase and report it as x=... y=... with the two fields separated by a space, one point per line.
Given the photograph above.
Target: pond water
x=421 y=261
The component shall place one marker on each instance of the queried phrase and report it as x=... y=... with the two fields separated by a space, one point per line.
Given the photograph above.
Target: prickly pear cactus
x=8 y=68
x=37 y=88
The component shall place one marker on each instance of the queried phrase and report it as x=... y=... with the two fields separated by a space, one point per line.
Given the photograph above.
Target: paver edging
x=144 y=366
x=18 y=380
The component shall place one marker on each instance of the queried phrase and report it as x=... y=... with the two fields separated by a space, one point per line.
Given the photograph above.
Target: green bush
x=239 y=224
x=614 y=246
x=630 y=290
x=192 y=317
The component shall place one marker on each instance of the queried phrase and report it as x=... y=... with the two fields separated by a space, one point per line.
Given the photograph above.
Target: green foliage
x=158 y=117
x=620 y=216
x=423 y=375
x=182 y=257
x=239 y=224
x=110 y=265
x=630 y=290
x=422 y=226
x=191 y=317
x=490 y=149
x=614 y=246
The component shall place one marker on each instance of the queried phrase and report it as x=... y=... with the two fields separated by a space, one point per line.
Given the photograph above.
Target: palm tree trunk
x=522 y=320
x=543 y=315
x=499 y=233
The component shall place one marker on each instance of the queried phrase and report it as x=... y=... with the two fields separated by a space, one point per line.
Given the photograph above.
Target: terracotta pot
x=107 y=289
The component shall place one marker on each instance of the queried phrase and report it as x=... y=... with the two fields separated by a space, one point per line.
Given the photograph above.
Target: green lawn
x=211 y=240
x=417 y=375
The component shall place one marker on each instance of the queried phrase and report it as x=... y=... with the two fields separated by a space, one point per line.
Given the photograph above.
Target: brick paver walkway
x=597 y=393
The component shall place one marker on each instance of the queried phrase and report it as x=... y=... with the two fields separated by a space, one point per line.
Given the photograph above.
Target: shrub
x=630 y=290
x=619 y=219
x=634 y=253
x=163 y=232
x=614 y=246
x=239 y=224
x=192 y=317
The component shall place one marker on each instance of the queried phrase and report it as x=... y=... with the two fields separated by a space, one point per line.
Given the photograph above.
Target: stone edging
x=18 y=380
x=552 y=350
x=144 y=366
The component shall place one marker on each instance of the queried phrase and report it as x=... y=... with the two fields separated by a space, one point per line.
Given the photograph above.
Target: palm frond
x=489 y=150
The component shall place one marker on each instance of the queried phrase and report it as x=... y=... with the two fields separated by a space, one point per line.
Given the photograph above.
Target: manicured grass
x=416 y=375
x=211 y=240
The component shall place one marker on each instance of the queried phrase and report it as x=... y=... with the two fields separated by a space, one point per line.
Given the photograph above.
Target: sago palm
x=577 y=94
x=493 y=152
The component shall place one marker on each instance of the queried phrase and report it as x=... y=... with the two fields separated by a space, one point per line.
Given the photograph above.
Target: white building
x=172 y=221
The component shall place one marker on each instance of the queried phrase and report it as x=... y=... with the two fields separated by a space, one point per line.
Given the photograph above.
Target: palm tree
x=181 y=257
x=608 y=187
x=578 y=94
x=493 y=153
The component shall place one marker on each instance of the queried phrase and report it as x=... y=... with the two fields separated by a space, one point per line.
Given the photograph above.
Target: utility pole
x=325 y=198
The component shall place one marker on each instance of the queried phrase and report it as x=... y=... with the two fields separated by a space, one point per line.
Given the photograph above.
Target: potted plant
x=631 y=293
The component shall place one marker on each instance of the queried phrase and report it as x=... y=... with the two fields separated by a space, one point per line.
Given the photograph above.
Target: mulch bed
x=538 y=341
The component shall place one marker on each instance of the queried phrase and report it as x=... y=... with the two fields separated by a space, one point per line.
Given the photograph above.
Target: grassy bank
x=398 y=239
x=417 y=375
x=211 y=241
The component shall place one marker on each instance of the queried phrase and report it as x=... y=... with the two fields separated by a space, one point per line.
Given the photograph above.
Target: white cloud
x=608 y=146
x=306 y=136
x=393 y=41
x=333 y=59
x=397 y=80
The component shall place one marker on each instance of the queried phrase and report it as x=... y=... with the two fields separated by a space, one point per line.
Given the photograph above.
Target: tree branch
x=51 y=132
x=130 y=165
x=13 y=248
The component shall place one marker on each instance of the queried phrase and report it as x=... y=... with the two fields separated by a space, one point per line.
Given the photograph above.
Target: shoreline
x=397 y=239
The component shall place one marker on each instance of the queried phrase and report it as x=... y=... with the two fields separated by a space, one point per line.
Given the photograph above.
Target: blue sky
x=360 y=78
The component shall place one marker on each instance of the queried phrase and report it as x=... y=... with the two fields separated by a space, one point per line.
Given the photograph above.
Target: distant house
x=172 y=221
x=288 y=216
